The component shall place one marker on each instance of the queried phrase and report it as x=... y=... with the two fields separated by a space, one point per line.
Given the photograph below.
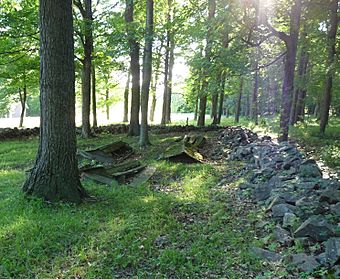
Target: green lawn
x=190 y=230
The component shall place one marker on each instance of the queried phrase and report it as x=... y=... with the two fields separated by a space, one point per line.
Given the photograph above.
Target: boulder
x=262 y=192
x=332 y=250
x=310 y=171
x=266 y=255
x=315 y=227
x=279 y=210
x=289 y=220
x=335 y=209
x=283 y=236
x=304 y=262
x=331 y=196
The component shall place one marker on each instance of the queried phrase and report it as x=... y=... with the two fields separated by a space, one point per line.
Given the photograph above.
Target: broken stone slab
x=266 y=254
x=283 y=236
x=109 y=174
x=143 y=176
x=331 y=196
x=304 y=262
x=182 y=153
x=194 y=141
x=110 y=153
x=332 y=250
x=315 y=227
x=279 y=210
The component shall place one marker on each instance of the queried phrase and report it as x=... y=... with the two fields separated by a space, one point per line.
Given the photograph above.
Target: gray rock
x=279 y=210
x=312 y=185
x=262 y=192
x=335 y=209
x=315 y=227
x=283 y=236
x=332 y=250
x=266 y=255
x=330 y=196
x=310 y=170
x=304 y=262
x=289 y=220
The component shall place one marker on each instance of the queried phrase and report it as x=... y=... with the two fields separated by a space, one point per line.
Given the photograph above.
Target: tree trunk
x=126 y=98
x=221 y=99
x=238 y=103
x=54 y=176
x=23 y=98
x=134 y=127
x=214 y=99
x=170 y=75
x=289 y=68
x=94 y=101
x=203 y=98
x=196 y=108
x=107 y=96
x=155 y=82
x=166 y=67
x=147 y=72
x=254 y=101
x=327 y=96
x=86 y=81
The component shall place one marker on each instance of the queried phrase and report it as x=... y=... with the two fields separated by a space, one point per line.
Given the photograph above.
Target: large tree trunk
x=147 y=72
x=196 y=108
x=289 y=68
x=134 y=127
x=214 y=99
x=238 y=102
x=54 y=176
x=327 y=96
x=94 y=101
x=126 y=98
x=208 y=48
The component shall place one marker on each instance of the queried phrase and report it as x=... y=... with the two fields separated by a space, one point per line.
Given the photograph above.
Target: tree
x=291 y=42
x=147 y=73
x=134 y=128
x=54 y=176
x=87 y=42
x=208 y=49
x=327 y=96
x=126 y=98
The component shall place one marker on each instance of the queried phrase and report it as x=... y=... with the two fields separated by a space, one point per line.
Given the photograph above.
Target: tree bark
x=170 y=78
x=289 y=68
x=254 y=101
x=23 y=98
x=238 y=103
x=94 y=101
x=327 y=96
x=134 y=127
x=126 y=98
x=166 y=67
x=221 y=98
x=54 y=176
x=86 y=12
x=147 y=72
x=208 y=48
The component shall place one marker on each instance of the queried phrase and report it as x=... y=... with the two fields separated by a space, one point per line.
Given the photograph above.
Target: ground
x=183 y=223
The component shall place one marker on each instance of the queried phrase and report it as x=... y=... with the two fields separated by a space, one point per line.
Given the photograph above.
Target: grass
x=186 y=232
x=180 y=224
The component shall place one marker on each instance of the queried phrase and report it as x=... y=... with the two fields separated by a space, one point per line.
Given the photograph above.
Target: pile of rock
x=304 y=206
x=15 y=133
